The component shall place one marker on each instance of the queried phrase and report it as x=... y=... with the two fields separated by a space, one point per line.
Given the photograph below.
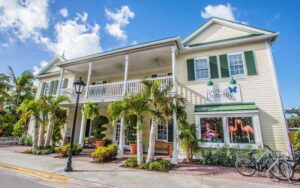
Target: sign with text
x=223 y=94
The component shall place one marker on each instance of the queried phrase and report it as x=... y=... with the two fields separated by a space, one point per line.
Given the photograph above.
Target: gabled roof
x=243 y=29
x=57 y=59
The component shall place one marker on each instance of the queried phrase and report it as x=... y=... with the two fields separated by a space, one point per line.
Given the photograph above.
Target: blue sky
x=33 y=31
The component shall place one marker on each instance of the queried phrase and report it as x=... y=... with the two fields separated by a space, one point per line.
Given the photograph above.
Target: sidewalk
x=89 y=174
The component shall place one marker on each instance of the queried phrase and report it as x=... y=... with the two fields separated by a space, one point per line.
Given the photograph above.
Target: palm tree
x=137 y=105
x=31 y=108
x=54 y=111
x=44 y=110
x=158 y=98
x=22 y=86
x=4 y=89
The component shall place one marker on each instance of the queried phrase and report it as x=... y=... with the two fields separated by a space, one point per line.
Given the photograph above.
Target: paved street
x=10 y=179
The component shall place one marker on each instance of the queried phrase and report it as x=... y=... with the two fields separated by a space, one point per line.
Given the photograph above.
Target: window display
x=212 y=130
x=241 y=130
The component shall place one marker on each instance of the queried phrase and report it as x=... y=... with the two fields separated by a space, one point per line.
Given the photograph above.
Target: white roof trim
x=124 y=50
x=270 y=37
x=225 y=23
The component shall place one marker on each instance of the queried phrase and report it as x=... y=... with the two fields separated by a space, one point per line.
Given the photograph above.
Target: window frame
x=225 y=115
x=47 y=87
x=115 y=132
x=244 y=64
x=166 y=124
x=208 y=67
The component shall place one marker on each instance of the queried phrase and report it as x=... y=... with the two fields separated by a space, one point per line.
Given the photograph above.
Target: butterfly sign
x=223 y=94
x=232 y=89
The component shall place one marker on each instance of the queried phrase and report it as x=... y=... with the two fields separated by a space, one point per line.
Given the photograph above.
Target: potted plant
x=98 y=130
x=130 y=133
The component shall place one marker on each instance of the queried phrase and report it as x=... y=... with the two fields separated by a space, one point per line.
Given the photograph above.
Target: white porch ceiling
x=148 y=60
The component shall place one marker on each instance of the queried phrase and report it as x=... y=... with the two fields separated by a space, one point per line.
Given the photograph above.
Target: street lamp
x=79 y=86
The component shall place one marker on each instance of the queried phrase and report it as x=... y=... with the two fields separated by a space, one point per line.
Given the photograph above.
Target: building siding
x=259 y=89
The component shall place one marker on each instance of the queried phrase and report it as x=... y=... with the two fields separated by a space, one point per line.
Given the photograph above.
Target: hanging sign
x=223 y=94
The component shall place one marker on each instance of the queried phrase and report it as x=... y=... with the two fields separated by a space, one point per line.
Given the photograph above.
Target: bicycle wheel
x=245 y=167
x=281 y=170
x=286 y=170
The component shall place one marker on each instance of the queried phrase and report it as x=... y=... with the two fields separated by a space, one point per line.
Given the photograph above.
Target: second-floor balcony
x=113 y=91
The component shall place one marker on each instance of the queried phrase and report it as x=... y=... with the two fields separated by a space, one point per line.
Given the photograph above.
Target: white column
x=82 y=130
x=61 y=79
x=122 y=126
x=125 y=75
x=88 y=81
x=175 y=134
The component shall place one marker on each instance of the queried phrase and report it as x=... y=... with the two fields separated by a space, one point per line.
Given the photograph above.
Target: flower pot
x=100 y=143
x=133 y=148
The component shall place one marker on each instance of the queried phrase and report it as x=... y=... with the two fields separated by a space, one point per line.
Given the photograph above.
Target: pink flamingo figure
x=209 y=132
x=248 y=129
x=232 y=130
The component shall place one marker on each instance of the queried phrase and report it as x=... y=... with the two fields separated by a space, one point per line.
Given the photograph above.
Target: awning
x=225 y=107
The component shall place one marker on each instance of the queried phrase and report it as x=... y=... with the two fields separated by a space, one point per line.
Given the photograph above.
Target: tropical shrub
x=41 y=151
x=26 y=140
x=224 y=155
x=157 y=165
x=105 y=153
x=296 y=140
x=130 y=129
x=188 y=140
x=63 y=151
x=18 y=129
x=131 y=162
x=98 y=127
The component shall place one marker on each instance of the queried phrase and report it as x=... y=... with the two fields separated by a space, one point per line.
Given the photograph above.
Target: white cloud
x=64 y=12
x=37 y=69
x=134 y=42
x=74 y=38
x=23 y=19
x=221 y=11
x=120 y=19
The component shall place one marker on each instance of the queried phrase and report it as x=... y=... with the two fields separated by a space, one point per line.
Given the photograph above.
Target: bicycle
x=248 y=166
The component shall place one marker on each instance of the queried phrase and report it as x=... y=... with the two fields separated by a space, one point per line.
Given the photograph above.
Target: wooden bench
x=11 y=140
x=89 y=142
x=166 y=146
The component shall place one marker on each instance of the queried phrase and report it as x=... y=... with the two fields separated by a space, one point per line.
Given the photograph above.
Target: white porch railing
x=115 y=89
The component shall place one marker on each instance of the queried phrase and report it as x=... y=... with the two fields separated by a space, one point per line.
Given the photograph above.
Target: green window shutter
x=65 y=84
x=213 y=65
x=250 y=63
x=224 y=66
x=55 y=87
x=170 y=131
x=51 y=87
x=190 y=69
x=43 y=89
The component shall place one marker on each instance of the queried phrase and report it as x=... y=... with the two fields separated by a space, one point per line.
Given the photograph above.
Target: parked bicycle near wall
x=270 y=162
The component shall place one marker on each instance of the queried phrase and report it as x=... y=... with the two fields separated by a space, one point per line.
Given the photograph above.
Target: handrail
x=115 y=89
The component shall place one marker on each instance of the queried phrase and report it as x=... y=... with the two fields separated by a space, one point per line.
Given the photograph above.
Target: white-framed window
x=236 y=64
x=47 y=88
x=232 y=128
x=201 y=68
x=162 y=131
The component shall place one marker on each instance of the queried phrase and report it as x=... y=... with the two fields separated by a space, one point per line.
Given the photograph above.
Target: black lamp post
x=79 y=86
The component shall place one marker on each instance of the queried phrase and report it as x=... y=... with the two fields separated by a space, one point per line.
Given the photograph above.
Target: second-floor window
x=201 y=68
x=236 y=64
x=47 y=89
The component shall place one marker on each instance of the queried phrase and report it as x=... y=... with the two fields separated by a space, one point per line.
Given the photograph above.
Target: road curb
x=36 y=173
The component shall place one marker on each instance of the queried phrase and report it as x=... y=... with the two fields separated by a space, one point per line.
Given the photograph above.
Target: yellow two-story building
x=224 y=70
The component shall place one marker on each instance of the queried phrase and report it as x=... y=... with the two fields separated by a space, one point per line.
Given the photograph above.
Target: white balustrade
x=115 y=89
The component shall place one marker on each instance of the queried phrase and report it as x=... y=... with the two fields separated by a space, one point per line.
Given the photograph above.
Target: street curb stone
x=36 y=173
